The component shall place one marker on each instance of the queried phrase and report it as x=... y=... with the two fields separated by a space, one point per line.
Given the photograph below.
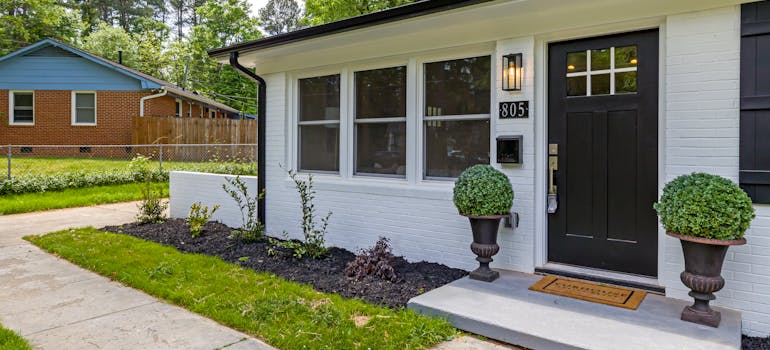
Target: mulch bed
x=755 y=343
x=325 y=274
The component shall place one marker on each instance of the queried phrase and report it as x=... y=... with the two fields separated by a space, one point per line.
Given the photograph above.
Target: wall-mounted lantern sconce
x=513 y=70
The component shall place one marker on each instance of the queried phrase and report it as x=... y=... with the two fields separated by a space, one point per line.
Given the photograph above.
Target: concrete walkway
x=57 y=305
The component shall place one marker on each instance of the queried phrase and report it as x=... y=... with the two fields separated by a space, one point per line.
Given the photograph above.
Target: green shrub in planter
x=706 y=206
x=482 y=190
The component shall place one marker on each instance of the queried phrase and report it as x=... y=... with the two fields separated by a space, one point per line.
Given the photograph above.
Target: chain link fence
x=51 y=160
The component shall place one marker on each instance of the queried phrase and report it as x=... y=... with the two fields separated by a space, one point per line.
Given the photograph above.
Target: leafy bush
x=251 y=229
x=152 y=208
x=482 y=190
x=199 y=216
x=705 y=205
x=376 y=261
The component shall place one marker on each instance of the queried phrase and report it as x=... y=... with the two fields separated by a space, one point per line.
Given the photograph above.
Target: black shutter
x=755 y=101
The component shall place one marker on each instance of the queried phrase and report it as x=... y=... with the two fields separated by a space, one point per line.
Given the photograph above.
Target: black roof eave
x=416 y=9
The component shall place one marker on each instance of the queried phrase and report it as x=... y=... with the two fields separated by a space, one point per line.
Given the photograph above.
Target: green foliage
x=280 y=16
x=198 y=217
x=285 y=314
x=325 y=11
x=9 y=340
x=152 y=209
x=251 y=229
x=705 y=205
x=76 y=197
x=25 y=22
x=314 y=233
x=482 y=190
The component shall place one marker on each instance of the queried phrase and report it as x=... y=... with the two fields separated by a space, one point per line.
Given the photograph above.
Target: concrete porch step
x=508 y=311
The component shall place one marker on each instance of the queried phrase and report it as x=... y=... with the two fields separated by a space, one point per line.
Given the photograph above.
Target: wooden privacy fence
x=241 y=135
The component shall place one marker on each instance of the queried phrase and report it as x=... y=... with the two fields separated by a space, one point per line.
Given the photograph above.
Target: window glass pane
x=625 y=56
x=381 y=93
x=625 y=82
x=600 y=59
x=85 y=100
x=457 y=87
x=319 y=98
x=319 y=147
x=22 y=99
x=600 y=84
x=23 y=115
x=576 y=62
x=85 y=115
x=576 y=86
x=381 y=148
x=453 y=146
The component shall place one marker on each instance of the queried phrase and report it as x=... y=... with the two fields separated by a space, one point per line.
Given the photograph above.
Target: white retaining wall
x=186 y=188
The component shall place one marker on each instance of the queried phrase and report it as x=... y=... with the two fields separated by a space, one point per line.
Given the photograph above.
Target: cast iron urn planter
x=703 y=260
x=485 y=245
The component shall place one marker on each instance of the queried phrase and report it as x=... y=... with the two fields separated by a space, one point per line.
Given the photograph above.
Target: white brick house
x=385 y=168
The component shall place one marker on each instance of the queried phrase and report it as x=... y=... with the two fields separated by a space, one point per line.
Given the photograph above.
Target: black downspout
x=261 y=108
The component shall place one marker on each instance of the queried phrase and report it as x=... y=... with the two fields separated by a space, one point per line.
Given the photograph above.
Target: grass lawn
x=9 y=340
x=43 y=165
x=77 y=197
x=285 y=314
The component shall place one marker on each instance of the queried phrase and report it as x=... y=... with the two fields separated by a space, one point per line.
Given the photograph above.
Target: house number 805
x=516 y=109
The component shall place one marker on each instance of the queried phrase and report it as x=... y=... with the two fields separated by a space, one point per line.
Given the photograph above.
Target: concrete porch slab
x=507 y=311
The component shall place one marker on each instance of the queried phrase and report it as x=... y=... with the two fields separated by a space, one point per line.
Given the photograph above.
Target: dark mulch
x=324 y=274
x=755 y=343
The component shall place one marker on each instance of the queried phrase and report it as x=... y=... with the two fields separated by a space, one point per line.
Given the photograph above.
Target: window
x=456 y=115
x=213 y=114
x=83 y=108
x=178 y=107
x=380 y=121
x=608 y=71
x=22 y=107
x=319 y=123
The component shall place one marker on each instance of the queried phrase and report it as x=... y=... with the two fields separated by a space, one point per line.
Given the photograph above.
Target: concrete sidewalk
x=57 y=305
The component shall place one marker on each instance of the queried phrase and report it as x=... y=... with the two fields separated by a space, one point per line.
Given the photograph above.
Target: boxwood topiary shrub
x=705 y=205
x=482 y=190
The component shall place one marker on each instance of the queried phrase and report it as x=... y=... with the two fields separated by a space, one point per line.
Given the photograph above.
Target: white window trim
x=73 y=101
x=178 y=107
x=11 y=102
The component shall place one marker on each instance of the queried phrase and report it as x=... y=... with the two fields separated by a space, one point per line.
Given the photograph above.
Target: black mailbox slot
x=509 y=149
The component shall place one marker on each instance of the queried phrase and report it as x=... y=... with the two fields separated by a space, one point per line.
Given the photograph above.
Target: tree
x=325 y=11
x=106 y=41
x=280 y=16
x=24 y=22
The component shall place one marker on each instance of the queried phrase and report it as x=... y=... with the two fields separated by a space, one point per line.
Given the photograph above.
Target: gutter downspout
x=149 y=97
x=261 y=109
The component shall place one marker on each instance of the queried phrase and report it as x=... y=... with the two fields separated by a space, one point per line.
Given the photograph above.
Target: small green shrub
x=482 y=190
x=152 y=209
x=251 y=229
x=705 y=205
x=199 y=216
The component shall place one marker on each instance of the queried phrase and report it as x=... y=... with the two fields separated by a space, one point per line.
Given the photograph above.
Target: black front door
x=603 y=131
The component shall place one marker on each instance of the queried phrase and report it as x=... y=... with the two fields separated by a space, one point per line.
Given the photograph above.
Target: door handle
x=553 y=165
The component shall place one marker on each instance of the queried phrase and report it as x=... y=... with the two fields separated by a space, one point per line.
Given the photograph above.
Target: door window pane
x=458 y=87
x=600 y=59
x=453 y=146
x=625 y=56
x=600 y=84
x=319 y=98
x=576 y=86
x=319 y=147
x=381 y=148
x=576 y=62
x=381 y=93
x=625 y=82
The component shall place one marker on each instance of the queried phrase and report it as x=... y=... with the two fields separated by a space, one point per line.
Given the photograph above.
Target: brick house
x=55 y=94
x=614 y=98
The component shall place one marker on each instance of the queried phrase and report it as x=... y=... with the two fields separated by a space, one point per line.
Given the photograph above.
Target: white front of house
x=384 y=117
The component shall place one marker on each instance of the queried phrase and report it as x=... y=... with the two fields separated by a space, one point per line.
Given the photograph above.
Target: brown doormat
x=588 y=291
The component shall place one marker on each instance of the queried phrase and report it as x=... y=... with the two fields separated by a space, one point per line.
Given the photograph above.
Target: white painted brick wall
x=701 y=128
x=186 y=188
